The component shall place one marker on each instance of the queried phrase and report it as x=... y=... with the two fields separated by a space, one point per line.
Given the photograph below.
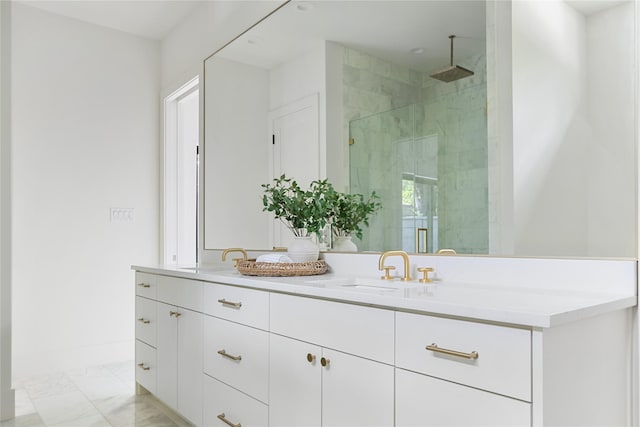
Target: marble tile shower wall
x=415 y=124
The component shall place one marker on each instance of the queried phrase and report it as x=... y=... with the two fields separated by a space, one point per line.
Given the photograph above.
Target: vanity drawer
x=146 y=366
x=245 y=365
x=241 y=305
x=425 y=401
x=503 y=363
x=362 y=331
x=180 y=292
x=146 y=285
x=146 y=317
x=236 y=407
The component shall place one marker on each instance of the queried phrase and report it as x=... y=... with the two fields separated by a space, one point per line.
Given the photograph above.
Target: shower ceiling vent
x=452 y=72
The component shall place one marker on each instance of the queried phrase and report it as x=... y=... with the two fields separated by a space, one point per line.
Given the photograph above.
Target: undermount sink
x=363 y=284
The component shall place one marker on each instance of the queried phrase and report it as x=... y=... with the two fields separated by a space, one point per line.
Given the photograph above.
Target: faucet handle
x=425 y=274
x=387 y=276
x=236 y=261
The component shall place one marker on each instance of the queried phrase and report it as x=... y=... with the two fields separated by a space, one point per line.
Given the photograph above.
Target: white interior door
x=296 y=150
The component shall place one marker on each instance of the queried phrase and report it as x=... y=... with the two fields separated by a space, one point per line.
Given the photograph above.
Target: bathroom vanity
x=343 y=350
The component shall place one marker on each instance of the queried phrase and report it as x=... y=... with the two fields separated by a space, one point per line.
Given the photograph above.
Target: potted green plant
x=350 y=212
x=304 y=212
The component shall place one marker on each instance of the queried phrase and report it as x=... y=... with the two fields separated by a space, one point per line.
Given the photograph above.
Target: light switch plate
x=122 y=214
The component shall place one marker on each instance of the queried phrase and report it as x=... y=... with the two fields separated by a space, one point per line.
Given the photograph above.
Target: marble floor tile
x=24 y=405
x=91 y=421
x=64 y=407
x=124 y=370
x=30 y=420
x=48 y=385
x=138 y=411
x=99 y=383
x=102 y=396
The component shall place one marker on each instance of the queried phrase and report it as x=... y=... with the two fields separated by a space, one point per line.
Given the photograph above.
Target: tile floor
x=102 y=396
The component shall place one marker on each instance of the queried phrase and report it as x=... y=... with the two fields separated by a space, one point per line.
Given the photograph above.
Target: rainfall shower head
x=452 y=72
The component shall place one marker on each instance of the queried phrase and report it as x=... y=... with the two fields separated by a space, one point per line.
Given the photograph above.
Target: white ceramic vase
x=302 y=249
x=344 y=244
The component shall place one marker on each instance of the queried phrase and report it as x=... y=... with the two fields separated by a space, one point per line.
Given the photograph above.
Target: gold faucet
x=405 y=260
x=235 y=260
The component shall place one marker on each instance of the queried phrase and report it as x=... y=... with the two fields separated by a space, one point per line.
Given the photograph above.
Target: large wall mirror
x=526 y=148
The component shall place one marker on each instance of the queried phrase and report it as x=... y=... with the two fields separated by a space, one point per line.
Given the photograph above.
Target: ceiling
x=390 y=30
x=152 y=19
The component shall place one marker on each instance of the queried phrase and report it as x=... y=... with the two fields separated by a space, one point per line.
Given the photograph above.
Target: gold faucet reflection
x=235 y=260
x=405 y=260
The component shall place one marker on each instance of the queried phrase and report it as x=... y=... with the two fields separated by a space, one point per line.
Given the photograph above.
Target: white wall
x=611 y=69
x=85 y=139
x=236 y=154
x=7 y=397
x=574 y=131
x=205 y=30
x=550 y=129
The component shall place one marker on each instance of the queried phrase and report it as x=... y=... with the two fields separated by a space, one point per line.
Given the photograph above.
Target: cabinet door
x=294 y=383
x=423 y=401
x=189 y=387
x=167 y=355
x=355 y=391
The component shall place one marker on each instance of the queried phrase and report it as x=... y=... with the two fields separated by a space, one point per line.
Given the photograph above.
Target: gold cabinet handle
x=434 y=347
x=230 y=303
x=144 y=285
x=311 y=357
x=324 y=362
x=143 y=367
x=229 y=356
x=175 y=313
x=143 y=320
x=227 y=422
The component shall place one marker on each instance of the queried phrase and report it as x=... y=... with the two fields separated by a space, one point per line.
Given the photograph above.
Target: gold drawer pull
x=144 y=285
x=175 y=313
x=143 y=320
x=227 y=422
x=324 y=362
x=434 y=347
x=230 y=303
x=143 y=367
x=230 y=356
x=311 y=357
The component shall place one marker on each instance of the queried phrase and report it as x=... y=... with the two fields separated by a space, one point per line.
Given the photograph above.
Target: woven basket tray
x=276 y=269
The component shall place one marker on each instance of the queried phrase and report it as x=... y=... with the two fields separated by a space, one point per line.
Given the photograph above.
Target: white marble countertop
x=523 y=306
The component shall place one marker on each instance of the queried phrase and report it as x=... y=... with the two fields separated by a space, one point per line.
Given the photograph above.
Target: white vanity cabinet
x=172 y=338
x=444 y=364
x=236 y=354
x=145 y=329
x=314 y=386
x=424 y=401
x=253 y=354
x=179 y=359
x=330 y=364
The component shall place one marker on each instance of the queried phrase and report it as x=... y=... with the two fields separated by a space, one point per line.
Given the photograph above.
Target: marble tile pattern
x=406 y=123
x=101 y=396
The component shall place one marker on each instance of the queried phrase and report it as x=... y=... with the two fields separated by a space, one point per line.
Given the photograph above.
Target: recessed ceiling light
x=304 y=6
x=417 y=51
